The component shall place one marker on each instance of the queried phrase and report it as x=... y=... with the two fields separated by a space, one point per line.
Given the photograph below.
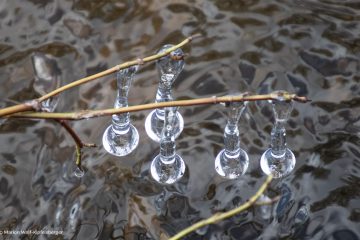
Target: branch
x=268 y=202
x=86 y=114
x=79 y=144
x=221 y=216
x=33 y=105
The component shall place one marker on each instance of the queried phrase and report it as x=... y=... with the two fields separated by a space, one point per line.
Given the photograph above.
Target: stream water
x=308 y=47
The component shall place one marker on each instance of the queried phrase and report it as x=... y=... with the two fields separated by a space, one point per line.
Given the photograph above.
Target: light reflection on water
x=307 y=47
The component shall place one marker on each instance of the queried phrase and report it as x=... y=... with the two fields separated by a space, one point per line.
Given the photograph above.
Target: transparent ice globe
x=169 y=68
x=231 y=167
x=232 y=162
x=278 y=166
x=121 y=137
x=168 y=167
x=279 y=160
x=154 y=124
x=120 y=143
x=167 y=173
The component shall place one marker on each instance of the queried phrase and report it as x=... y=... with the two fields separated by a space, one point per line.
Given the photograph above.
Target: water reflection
x=265 y=211
x=73 y=219
x=309 y=47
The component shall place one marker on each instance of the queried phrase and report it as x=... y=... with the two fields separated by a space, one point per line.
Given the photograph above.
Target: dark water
x=308 y=47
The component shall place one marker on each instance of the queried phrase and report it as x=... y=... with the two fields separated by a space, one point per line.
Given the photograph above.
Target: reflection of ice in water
x=58 y=214
x=285 y=201
x=45 y=176
x=160 y=201
x=202 y=231
x=47 y=78
x=74 y=216
x=314 y=160
x=301 y=216
x=271 y=231
x=38 y=176
x=264 y=210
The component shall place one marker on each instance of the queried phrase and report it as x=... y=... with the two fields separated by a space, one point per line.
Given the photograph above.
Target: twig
x=268 y=202
x=78 y=143
x=221 y=216
x=28 y=107
x=85 y=114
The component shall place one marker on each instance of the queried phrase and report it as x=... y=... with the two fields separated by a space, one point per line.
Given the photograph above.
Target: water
x=308 y=47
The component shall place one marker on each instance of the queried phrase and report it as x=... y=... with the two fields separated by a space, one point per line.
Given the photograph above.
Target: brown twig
x=78 y=143
x=86 y=114
x=28 y=107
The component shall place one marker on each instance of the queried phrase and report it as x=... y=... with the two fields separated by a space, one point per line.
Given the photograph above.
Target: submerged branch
x=221 y=216
x=86 y=114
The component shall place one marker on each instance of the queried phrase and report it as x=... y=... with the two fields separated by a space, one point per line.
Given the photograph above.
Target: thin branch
x=78 y=143
x=268 y=202
x=71 y=132
x=221 y=216
x=78 y=158
x=74 y=135
x=86 y=114
x=15 y=109
x=33 y=105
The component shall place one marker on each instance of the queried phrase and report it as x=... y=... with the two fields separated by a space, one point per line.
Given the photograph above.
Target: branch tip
x=269 y=202
x=221 y=216
x=194 y=36
x=89 y=145
x=301 y=99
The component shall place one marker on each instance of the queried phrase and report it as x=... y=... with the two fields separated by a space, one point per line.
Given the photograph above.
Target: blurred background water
x=308 y=47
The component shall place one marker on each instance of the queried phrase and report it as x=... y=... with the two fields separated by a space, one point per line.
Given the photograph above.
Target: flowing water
x=308 y=47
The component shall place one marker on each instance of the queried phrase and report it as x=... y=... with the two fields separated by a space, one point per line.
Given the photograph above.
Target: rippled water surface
x=308 y=47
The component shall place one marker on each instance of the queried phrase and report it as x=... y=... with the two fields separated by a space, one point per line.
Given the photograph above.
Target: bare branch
x=79 y=144
x=30 y=105
x=86 y=114
x=221 y=216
